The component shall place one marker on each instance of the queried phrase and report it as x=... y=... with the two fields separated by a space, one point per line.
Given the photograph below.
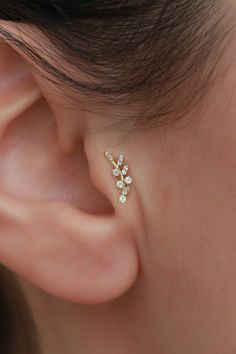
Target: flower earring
x=123 y=181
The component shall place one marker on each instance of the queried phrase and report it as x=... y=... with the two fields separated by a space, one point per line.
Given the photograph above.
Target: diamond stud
x=123 y=199
x=128 y=180
x=120 y=184
x=116 y=172
x=109 y=156
x=120 y=172
x=120 y=160
x=125 y=170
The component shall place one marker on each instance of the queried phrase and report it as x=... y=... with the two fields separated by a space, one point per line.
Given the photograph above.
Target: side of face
x=64 y=230
x=192 y=225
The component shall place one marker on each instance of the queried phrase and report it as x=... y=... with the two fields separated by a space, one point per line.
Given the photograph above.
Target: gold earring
x=120 y=172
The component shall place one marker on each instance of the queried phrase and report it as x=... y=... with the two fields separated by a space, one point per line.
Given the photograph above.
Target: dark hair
x=18 y=334
x=155 y=55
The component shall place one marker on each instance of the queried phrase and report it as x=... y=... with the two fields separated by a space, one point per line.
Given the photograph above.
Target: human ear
x=61 y=227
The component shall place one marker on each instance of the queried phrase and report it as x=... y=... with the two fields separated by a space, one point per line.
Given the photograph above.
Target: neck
x=66 y=328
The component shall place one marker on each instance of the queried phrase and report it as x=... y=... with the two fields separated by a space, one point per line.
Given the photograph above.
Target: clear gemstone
x=125 y=170
x=128 y=180
x=120 y=160
x=116 y=172
x=109 y=156
x=125 y=191
x=120 y=184
x=123 y=199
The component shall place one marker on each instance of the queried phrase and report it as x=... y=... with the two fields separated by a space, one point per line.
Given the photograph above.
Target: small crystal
x=120 y=184
x=116 y=172
x=128 y=180
x=125 y=170
x=123 y=199
x=120 y=160
x=109 y=156
x=125 y=191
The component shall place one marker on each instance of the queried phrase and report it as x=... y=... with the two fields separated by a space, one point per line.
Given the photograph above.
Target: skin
x=155 y=276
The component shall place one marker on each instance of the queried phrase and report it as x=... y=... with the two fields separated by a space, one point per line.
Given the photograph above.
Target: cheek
x=193 y=247
x=197 y=212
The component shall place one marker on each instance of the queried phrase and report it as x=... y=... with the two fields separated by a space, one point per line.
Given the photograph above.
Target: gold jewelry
x=120 y=172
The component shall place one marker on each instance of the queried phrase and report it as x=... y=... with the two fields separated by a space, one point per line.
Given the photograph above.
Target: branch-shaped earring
x=120 y=172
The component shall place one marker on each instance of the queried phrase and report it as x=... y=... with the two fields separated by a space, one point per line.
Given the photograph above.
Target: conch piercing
x=120 y=172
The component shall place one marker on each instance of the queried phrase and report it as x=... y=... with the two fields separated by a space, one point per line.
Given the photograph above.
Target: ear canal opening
x=95 y=202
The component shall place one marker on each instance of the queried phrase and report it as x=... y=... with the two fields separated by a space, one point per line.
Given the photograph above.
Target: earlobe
x=79 y=257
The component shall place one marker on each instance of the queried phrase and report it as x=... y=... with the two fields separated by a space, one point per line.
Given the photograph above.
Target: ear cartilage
x=123 y=181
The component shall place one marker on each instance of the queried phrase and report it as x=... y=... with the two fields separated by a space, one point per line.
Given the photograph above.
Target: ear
x=61 y=227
